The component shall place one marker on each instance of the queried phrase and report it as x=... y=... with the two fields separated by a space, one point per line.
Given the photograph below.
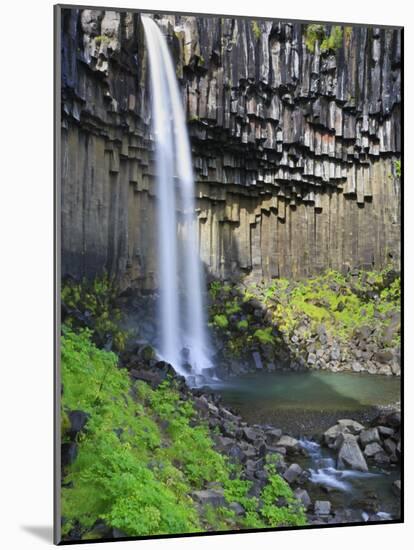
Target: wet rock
x=372 y=449
x=322 y=507
x=250 y=434
x=351 y=425
x=369 y=436
x=273 y=436
x=289 y=443
x=390 y=446
x=384 y=431
x=257 y=360
x=350 y=455
x=303 y=497
x=292 y=473
x=331 y=435
x=396 y=487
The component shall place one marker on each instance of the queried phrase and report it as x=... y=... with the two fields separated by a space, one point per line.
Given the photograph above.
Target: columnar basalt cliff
x=296 y=144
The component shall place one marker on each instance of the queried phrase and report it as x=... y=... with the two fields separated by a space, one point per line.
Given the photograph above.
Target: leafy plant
x=143 y=454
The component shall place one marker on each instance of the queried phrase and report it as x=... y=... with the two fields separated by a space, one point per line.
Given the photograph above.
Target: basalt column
x=295 y=145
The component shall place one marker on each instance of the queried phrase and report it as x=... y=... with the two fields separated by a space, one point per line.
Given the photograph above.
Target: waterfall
x=183 y=338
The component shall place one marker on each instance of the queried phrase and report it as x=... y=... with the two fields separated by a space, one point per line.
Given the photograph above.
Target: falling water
x=181 y=277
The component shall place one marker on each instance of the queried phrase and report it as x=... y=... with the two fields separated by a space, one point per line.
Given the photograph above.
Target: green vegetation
x=313 y=33
x=331 y=42
x=243 y=325
x=142 y=454
x=264 y=335
x=221 y=321
x=341 y=303
x=257 y=31
x=397 y=168
x=268 y=314
x=92 y=304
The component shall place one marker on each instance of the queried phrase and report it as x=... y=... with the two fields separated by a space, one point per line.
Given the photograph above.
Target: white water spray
x=181 y=278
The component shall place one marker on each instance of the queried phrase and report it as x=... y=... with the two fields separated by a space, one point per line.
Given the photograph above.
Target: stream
x=307 y=404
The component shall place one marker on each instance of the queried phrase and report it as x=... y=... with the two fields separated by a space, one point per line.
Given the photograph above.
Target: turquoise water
x=306 y=403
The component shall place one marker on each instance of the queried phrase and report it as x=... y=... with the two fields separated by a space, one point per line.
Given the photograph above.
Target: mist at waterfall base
x=183 y=340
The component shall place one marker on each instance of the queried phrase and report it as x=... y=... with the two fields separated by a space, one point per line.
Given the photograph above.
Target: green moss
x=313 y=33
x=316 y=33
x=243 y=325
x=257 y=31
x=334 y=41
x=221 y=321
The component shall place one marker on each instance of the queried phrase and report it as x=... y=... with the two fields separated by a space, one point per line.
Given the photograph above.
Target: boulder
x=352 y=426
x=372 y=449
x=350 y=455
x=273 y=436
x=250 y=434
x=383 y=356
x=257 y=360
x=303 y=497
x=78 y=420
x=384 y=431
x=292 y=473
x=390 y=446
x=289 y=443
x=236 y=453
x=382 y=458
x=322 y=507
x=237 y=508
x=357 y=367
x=153 y=378
x=212 y=497
x=396 y=487
x=371 y=435
x=332 y=433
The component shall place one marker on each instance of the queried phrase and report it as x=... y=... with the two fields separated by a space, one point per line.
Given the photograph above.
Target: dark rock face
x=294 y=151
